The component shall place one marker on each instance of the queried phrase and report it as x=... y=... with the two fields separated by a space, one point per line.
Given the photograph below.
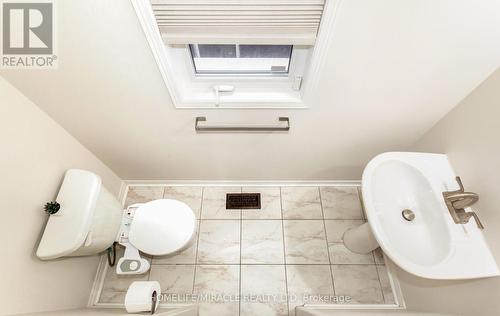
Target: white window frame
x=194 y=91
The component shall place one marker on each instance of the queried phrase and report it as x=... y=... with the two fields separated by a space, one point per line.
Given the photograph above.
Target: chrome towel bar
x=235 y=128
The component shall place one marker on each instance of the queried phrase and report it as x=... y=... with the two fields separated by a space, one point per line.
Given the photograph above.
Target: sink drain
x=408 y=215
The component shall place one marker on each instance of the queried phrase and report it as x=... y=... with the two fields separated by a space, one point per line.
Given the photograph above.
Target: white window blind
x=290 y=22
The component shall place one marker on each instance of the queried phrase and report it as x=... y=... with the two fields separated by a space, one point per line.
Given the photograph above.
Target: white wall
x=35 y=152
x=394 y=69
x=470 y=136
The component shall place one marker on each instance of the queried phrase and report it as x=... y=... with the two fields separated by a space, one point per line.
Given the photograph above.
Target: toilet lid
x=162 y=226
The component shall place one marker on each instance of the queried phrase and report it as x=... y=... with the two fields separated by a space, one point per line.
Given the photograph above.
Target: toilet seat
x=162 y=227
x=159 y=227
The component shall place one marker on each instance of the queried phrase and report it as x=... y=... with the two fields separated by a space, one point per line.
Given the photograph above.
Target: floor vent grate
x=237 y=201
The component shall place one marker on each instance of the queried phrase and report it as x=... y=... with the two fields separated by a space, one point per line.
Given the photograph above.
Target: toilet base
x=131 y=262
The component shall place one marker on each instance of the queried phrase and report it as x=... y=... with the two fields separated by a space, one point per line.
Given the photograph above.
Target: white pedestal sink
x=431 y=245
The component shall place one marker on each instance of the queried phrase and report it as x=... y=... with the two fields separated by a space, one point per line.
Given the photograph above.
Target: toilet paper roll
x=142 y=296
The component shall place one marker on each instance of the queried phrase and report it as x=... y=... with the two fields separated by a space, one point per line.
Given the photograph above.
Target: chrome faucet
x=457 y=200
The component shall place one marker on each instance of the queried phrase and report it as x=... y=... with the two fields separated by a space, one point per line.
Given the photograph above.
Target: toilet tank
x=87 y=222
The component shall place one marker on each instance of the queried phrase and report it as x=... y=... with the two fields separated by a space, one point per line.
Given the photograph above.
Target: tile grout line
x=326 y=239
x=365 y=218
x=380 y=283
x=284 y=256
x=363 y=212
x=241 y=233
x=360 y=199
x=277 y=219
x=198 y=240
x=266 y=264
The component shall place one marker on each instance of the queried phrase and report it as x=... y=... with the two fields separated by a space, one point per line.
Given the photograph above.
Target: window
x=241 y=59
x=238 y=54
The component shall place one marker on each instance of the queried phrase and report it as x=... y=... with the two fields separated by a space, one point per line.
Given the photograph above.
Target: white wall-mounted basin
x=432 y=245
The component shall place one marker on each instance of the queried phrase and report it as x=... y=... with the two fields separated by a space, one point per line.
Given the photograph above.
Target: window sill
x=241 y=98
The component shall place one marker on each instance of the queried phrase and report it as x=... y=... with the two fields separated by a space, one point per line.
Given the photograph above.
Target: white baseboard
x=269 y=183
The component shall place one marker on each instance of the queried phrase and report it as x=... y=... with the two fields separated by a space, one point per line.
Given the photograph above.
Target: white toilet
x=91 y=219
x=158 y=228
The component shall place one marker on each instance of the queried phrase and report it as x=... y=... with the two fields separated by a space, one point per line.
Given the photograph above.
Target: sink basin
x=431 y=245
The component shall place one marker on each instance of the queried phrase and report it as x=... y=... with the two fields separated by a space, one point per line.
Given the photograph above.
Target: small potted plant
x=52 y=207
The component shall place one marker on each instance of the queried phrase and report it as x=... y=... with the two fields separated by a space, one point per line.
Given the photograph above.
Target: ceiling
x=393 y=70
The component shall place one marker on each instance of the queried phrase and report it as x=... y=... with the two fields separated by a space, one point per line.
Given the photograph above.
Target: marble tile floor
x=263 y=262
